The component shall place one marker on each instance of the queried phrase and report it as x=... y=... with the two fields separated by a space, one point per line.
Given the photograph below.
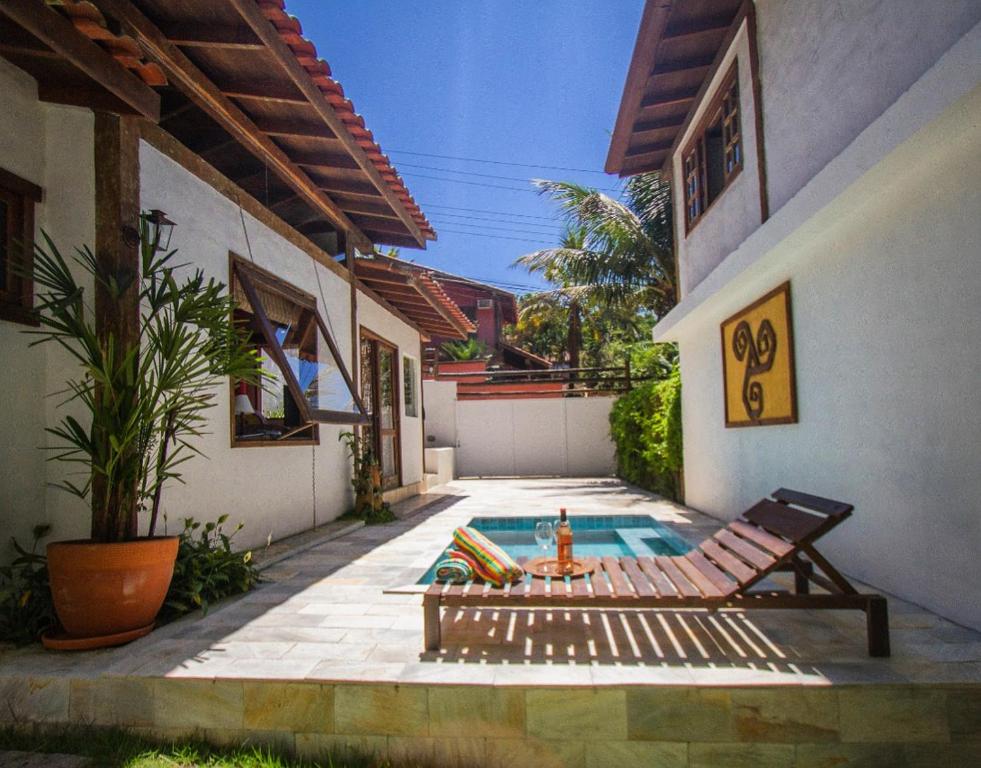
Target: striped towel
x=454 y=570
x=490 y=562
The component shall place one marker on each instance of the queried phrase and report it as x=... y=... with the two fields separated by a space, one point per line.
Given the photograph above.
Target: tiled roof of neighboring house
x=447 y=302
x=291 y=32
x=415 y=295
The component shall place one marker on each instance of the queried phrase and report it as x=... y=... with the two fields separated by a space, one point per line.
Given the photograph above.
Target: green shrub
x=646 y=428
x=207 y=569
x=26 y=608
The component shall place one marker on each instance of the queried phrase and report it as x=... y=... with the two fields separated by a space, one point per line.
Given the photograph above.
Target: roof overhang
x=236 y=83
x=416 y=295
x=76 y=59
x=677 y=49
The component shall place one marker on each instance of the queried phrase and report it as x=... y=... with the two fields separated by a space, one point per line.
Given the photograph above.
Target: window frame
x=696 y=147
x=248 y=274
x=410 y=364
x=20 y=196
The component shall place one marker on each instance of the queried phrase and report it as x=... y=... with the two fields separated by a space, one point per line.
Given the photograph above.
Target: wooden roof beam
x=656 y=147
x=194 y=35
x=711 y=25
x=669 y=99
x=207 y=95
x=59 y=34
x=252 y=15
x=682 y=65
x=652 y=25
x=257 y=91
x=294 y=128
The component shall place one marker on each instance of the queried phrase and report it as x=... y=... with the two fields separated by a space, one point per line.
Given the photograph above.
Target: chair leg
x=802 y=573
x=430 y=608
x=877 y=619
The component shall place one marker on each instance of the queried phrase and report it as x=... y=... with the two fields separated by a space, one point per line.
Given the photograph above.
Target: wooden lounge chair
x=774 y=535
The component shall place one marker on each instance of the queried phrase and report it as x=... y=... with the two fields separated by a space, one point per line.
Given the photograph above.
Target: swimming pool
x=593 y=535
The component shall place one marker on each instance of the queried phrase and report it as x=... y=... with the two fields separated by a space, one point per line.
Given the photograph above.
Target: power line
x=496 y=237
x=486 y=175
x=554 y=224
x=495 y=162
x=470 y=183
x=488 y=226
x=484 y=210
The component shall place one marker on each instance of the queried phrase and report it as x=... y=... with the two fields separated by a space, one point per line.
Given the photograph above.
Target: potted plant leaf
x=144 y=403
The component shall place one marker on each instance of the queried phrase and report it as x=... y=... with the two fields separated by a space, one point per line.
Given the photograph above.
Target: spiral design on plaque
x=759 y=354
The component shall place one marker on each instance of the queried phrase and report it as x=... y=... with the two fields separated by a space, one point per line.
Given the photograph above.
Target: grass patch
x=115 y=748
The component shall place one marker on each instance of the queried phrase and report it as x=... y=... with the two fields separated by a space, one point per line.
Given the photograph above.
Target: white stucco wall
x=828 y=69
x=736 y=212
x=275 y=491
x=375 y=318
x=885 y=285
x=278 y=490
x=50 y=146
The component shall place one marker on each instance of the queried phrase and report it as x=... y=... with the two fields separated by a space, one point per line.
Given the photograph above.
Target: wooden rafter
x=252 y=15
x=210 y=36
x=219 y=106
x=59 y=34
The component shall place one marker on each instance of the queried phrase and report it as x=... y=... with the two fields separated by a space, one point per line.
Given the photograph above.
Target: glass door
x=379 y=392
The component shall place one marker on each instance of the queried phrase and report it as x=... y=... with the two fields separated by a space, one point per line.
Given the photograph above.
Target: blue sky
x=529 y=81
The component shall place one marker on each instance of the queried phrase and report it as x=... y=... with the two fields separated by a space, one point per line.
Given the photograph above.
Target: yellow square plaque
x=758 y=363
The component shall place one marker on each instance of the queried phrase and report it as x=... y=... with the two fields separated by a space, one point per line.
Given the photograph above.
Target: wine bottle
x=563 y=542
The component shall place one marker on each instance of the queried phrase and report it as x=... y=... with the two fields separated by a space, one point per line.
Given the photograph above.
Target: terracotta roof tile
x=88 y=20
x=291 y=31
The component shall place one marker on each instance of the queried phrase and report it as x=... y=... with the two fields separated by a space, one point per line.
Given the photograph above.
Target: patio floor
x=348 y=611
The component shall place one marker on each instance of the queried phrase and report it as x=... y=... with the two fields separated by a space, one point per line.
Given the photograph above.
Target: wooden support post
x=803 y=572
x=117 y=311
x=430 y=607
x=877 y=619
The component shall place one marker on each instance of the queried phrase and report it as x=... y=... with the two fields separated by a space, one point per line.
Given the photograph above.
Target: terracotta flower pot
x=109 y=592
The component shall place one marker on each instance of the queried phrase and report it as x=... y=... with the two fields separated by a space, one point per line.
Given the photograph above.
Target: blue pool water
x=593 y=535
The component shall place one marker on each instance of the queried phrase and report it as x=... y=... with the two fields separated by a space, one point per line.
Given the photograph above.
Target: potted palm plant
x=143 y=403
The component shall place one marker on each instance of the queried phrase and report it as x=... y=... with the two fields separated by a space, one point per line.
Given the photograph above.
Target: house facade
x=222 y=116
x=827 y=154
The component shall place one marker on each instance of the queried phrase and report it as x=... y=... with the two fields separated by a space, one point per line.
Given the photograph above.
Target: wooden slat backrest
x=720 y=580
x=817 y=503
x=773 y=544
x=727 y=561
x=792 y=524
x=755 y=556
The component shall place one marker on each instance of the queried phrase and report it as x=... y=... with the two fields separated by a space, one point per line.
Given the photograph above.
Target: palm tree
x=614 y=254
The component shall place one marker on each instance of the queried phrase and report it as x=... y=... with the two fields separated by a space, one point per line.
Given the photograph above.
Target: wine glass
x=543 y=536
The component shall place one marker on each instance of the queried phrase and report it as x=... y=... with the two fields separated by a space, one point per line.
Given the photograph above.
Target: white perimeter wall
x=886 y=291
x=545 y=436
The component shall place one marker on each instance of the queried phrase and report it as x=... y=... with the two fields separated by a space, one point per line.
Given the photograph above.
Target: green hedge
x=646 y=427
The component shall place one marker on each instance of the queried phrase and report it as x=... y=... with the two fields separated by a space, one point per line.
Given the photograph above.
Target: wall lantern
x=159 y=229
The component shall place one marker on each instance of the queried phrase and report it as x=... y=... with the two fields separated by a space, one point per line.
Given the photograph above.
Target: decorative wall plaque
x=758 y=363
